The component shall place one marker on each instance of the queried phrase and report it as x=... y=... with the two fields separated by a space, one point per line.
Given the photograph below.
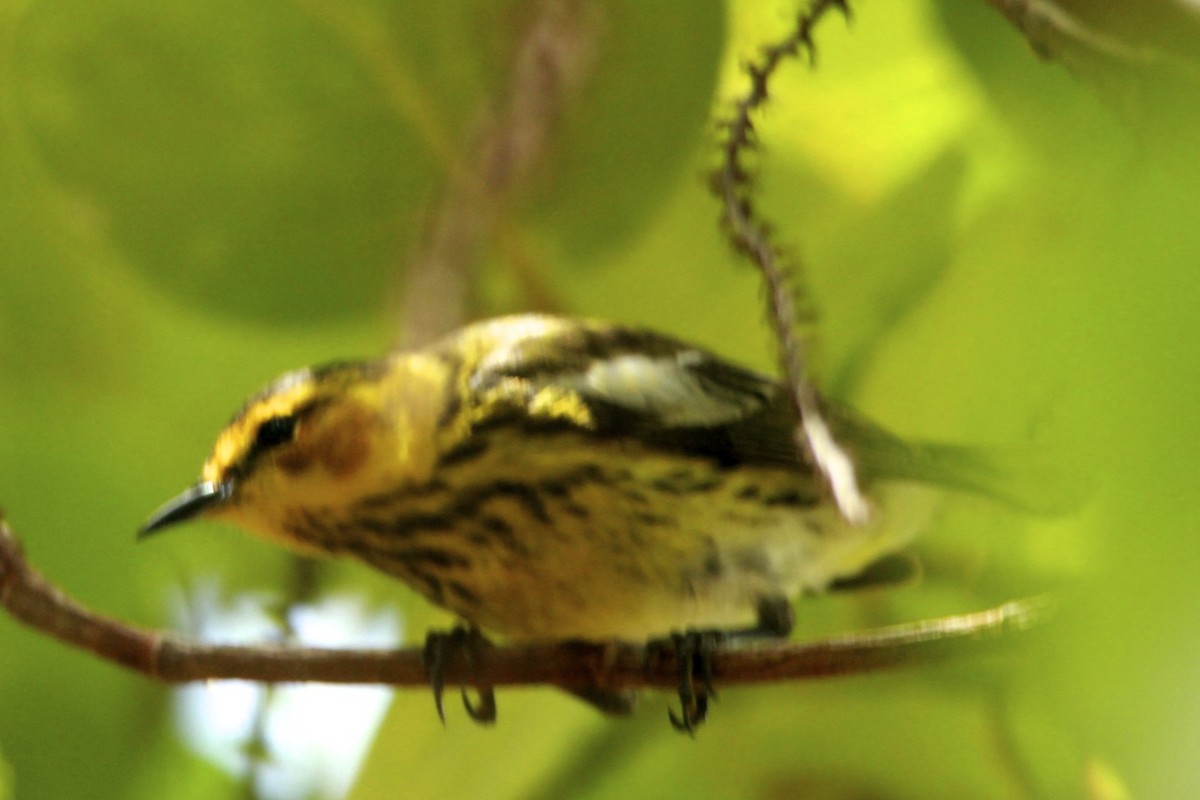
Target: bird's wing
x=613 y=381
x=617 y=382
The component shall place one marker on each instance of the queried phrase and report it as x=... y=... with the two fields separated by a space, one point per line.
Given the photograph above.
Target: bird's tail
x=1029 y=479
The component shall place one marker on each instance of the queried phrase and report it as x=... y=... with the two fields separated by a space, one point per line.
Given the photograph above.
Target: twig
x=1053 y=32
x=1140 y=76
x=751 y=236
x=552 y=59
x=169 y=658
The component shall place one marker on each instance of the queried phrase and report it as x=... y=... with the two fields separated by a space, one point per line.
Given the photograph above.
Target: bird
x=551 y=478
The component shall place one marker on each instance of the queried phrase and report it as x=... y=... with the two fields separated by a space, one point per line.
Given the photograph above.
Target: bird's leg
x=693 y=654
x=776 y=618
x=441 y=646
x=694 y=649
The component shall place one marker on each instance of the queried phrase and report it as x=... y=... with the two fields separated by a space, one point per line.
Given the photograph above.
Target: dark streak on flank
x=415 y=523
x=463 y=593
x=647 y=518
x=559 y=488
x=575 y=509
x=435 y=556
x=464 y=451
x=378 y=527
x=426 y=583
x=471 y=500
x=790 y=497
x=411 y=571
x=634 y=496
x=686 y=482
x=584 y=474
x=308 y=527
x=493 y=529
x=496 y=525
x=748 y=492
x=506 y=537
x=527 y=496
x=435 y=590
x=317 y=525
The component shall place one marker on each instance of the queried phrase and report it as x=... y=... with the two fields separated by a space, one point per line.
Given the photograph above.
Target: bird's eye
x=275 y=431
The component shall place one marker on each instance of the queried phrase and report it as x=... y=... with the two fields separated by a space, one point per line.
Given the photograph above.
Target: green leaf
x=239 y=155
x=632 y=132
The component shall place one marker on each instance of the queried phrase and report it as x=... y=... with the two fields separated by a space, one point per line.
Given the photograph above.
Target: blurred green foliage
x=195 y=197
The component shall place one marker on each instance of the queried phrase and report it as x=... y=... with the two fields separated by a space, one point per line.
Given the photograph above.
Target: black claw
x=685 y=651
x=434 y=658
x=483 y=712
x=691 y=717
x=694 y=652
x=470 y=642
x=704 y=664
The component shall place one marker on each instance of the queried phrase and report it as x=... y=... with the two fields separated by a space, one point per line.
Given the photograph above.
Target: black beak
x=187 y=505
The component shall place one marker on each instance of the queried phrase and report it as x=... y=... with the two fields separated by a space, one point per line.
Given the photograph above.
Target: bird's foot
x=465 y=642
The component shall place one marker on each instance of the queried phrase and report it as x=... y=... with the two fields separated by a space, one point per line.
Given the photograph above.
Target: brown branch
x=167 y=657
x=751 y=236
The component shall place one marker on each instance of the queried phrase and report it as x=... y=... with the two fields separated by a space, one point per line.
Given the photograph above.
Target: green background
x=195 y=197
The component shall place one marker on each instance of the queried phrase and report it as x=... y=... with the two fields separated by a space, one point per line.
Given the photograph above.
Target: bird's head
x=313 y=440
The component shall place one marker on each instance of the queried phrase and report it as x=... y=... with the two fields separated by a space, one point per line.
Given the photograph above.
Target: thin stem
x=751 y=236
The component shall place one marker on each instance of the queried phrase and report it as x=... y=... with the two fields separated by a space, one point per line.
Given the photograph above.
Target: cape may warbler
x=548 y=478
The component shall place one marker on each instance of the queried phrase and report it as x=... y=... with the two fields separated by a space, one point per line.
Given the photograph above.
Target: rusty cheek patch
x=345 y=446
x=294 y=460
